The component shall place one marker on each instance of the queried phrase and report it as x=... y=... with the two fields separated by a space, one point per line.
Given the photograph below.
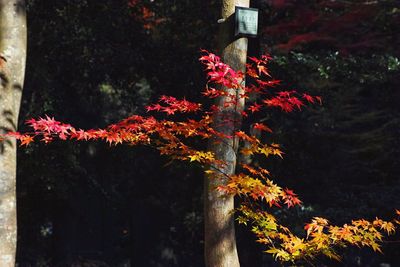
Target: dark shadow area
x=8 y=125
x=87 y=204
x=4 y=80
x=7 y=115
x=17 y=87
x=20 y=7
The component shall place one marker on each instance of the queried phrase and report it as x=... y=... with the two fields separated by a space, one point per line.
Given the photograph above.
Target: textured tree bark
x=12 y=70
x=220 y=241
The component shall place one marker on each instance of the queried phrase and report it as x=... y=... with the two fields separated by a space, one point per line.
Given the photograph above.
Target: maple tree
x=177 y=122
x=134 y=66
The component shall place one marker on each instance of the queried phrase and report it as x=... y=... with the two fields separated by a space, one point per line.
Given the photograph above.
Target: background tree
x=12 y=71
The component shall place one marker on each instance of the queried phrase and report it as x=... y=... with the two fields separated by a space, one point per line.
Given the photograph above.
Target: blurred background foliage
x=91 y=63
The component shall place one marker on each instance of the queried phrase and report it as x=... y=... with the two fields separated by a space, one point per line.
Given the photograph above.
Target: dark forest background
x=92 y=63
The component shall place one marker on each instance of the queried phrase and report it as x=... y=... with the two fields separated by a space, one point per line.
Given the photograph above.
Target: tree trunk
x=220 y=241
x=12 y=70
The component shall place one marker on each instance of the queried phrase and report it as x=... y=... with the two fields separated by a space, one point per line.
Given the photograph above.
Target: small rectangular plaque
x=246 y=22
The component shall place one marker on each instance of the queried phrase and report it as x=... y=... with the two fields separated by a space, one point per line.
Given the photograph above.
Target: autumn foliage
x=176 y=123
x=331 y=24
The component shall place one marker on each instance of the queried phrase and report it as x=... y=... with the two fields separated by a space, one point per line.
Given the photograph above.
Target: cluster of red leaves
x=254 y=184
x=174 y=105
x=330 y=23
x=220 y=73
x=287 y=101
x=168 y=136
x=47 y=129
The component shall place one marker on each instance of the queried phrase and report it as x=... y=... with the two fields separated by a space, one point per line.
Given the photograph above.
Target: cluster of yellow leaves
x=257 y=147
x=321 y=237
x=202 y=157
x=242 y=184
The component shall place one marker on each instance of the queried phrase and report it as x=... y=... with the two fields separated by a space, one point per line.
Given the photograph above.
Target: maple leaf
x=26 y=140
x=270 y=83
x=255 y=107
x=242 y=135
x=295 y=102
x=247 y=151
x=249 y=169
x=255 y=60
x=194 y=158
x=279 y=102
x=263 y=69
x=201 y=156
x=169 y=111
x=308 y=98
x=290 y=198
x=79 y=135
x=376 y=247
x=251 y=71
x=156 y=107
x=47 y=139
x=213 y=93
x=262 y=127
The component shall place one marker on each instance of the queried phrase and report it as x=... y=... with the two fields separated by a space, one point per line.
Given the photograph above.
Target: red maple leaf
x=262 y=127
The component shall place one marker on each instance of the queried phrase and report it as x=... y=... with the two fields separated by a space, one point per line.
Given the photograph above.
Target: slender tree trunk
x=12 y=70
x=220 y=241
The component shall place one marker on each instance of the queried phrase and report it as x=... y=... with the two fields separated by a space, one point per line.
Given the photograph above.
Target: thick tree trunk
x=220 y=241
x=12 y=70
